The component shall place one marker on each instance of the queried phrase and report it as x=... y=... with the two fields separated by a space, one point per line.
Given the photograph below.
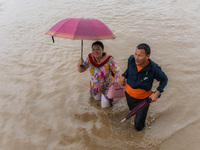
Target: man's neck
x=145 y=64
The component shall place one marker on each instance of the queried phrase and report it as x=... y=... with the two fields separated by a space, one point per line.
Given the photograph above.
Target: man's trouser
x=140 y=117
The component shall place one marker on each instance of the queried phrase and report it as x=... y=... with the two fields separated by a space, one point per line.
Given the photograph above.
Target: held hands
x=121 y=81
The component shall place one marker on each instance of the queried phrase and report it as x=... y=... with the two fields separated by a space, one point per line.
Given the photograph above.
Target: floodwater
x=45 y=103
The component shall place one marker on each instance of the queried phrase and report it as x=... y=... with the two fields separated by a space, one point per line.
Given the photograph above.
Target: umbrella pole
x=81 y=49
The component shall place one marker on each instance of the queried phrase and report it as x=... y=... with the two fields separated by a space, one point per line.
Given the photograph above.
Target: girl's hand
x=80 y=62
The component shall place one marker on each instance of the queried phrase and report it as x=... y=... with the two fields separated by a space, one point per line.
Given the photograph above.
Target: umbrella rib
x=77 y=31
x=93 y=28
x=59 y=27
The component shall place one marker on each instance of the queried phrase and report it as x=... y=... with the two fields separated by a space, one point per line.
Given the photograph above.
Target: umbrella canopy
x=139 y=107
x=80 y=28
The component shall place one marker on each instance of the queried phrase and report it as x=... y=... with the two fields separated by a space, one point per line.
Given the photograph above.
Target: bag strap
x=115 y=79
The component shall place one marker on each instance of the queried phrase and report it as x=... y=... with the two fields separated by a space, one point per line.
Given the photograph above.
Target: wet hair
x=98 y=43
x=145 y=47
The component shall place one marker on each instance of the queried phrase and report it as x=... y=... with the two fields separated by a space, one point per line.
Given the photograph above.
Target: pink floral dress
x=101 y=77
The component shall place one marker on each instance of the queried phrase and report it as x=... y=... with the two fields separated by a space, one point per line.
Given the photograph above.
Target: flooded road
x=45 y=103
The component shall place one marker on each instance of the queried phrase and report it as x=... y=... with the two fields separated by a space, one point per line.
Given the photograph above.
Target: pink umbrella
x=80 y=28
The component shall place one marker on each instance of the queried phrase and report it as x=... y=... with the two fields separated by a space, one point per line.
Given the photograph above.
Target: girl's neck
x=98 y=59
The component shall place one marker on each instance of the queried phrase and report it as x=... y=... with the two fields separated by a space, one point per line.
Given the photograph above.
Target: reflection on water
x=45 y=103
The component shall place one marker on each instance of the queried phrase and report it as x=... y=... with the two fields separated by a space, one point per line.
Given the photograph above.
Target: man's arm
x=159 y=76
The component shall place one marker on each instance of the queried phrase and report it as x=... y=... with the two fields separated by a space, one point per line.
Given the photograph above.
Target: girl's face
x=97 y=51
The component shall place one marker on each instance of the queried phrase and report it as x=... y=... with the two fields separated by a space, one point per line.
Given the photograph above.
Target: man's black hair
x=145 y=47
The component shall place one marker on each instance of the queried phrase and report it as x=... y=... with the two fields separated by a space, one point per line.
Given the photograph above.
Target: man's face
x=141 y=58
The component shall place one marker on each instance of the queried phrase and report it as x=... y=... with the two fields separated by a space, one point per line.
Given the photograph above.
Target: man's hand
x=154 y=96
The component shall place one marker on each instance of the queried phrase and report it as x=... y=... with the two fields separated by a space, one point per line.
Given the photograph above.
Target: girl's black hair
x=98 y=43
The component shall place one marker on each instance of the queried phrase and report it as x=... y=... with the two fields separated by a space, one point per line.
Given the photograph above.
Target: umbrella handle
x=81 y=52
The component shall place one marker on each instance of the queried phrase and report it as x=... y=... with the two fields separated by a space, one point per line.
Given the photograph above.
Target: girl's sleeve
x=114 y=67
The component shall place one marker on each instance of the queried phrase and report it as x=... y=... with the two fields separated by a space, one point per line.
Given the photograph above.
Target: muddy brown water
x=45 y=103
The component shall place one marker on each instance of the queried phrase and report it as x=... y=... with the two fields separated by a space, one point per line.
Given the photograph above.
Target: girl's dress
x=101 y=73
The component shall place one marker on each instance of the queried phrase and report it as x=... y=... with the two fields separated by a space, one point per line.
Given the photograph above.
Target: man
x=139 y=75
